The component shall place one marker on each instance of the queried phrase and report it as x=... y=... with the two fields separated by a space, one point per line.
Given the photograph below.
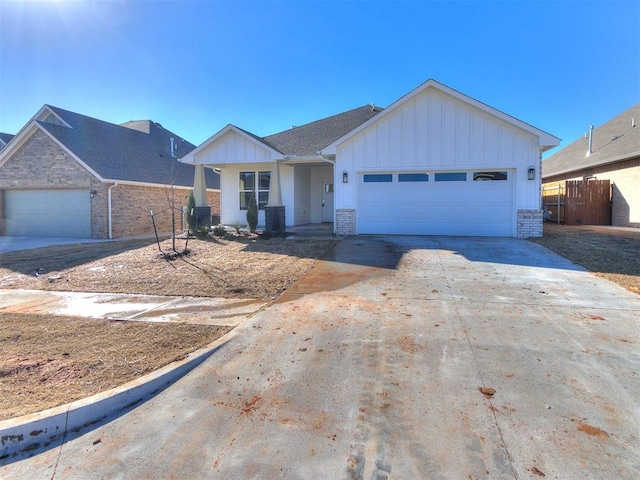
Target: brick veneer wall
x=41 y=163
x=130 y=206
x=345 y=221
x=529 y=223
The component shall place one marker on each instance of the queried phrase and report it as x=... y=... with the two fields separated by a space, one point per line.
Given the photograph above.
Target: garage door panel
x=48 y=213
x=436 y=208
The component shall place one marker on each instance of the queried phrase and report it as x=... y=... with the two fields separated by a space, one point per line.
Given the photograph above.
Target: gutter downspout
x=109 y=211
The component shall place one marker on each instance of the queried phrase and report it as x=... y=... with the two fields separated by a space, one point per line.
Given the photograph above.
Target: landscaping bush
x=191 y=217
x=252 y=213
x=219 y=230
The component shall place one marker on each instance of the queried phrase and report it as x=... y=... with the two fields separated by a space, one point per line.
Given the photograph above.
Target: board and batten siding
x=233 y=148
x=229 y=192
x=302 y=195
x=434 y=131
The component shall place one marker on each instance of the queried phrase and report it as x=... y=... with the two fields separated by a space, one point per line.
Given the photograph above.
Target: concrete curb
x=38 y=430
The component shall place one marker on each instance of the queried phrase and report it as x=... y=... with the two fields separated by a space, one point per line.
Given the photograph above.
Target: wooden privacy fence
x=578 y=202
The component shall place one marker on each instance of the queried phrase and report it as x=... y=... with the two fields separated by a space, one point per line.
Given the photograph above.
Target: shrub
x=219 y=231
x=203 y=231
x=237 y=226
x=191 y=217
x=252 y=213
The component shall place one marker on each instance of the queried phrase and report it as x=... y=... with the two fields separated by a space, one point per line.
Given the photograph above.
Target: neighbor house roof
x=4 y=139
x=137 y=151
x=309 y=139
x=613 y=141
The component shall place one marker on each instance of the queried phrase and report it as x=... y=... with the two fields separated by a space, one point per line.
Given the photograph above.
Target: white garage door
x=48 y=213
x=472 y=202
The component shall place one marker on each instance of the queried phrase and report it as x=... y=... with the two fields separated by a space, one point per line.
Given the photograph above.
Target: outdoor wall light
x=345 y=177
x=531 y=173
x=93 y=193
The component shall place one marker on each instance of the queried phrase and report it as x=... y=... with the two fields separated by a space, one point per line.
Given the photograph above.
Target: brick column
x=346 y=221
x=529 y=223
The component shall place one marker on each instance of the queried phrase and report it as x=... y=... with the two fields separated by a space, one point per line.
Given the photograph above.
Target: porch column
x=203 y=209
x=274 y=219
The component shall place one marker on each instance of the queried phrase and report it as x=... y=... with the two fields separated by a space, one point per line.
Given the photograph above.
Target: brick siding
x=345 y=221
x=529 y=224
x=41 y=164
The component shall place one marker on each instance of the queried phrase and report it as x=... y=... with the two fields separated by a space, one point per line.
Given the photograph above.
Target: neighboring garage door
x=473 y=202
x=48 y=213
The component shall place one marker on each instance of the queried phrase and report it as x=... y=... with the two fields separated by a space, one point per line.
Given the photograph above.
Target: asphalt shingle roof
x=613 y=140
x=4 y=139
x=137 y=151
x=310 y=138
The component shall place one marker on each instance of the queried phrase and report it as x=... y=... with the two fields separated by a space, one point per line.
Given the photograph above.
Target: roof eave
x=598 y=163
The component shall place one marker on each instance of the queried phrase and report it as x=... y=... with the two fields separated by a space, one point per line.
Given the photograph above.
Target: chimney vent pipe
x=590 y=151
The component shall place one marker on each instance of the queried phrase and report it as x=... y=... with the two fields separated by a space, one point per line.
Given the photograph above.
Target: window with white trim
x=377 y=177
x=451 y=177
x=413 y=177
x=257 y=183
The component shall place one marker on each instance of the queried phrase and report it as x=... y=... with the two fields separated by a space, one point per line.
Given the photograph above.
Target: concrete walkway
x=403 y=357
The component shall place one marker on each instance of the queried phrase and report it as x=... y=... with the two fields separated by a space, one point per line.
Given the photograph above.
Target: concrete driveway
x=374 y=366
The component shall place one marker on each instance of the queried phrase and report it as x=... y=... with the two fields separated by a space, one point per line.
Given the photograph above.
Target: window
x=413 y=177
x=378 y=177
x=451 y=177
x=248 y=185
x=489 y=176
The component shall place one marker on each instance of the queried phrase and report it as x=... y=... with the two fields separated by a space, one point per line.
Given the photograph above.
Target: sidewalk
x=43 y=428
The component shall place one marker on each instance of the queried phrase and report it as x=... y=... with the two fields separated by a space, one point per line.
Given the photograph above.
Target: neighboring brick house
x=66 y=174
x=609 y=152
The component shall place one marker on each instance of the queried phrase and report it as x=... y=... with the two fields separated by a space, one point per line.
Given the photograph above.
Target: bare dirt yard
x=49 y=361
x=609 y=253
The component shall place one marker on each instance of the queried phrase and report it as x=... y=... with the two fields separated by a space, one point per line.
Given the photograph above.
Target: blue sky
x=195 y=66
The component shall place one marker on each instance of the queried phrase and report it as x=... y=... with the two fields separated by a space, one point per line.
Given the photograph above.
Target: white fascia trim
x=26 y=133
x=154 y=185
x=545 y=139
x=189 y=157
x=73 y=155
x=292 y=159
x=46 y=108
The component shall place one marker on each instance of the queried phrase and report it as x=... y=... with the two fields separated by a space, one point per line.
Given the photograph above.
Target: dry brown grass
x=611 y=254
x=242 y=267
x=48 y=361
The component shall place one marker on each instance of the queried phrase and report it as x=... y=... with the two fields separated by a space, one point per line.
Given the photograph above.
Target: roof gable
x=303 y=141
x=200 y=154
x=546 y=140
x=117 y=153
x=615 y=140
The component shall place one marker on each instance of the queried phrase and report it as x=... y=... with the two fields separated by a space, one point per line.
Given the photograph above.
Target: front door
x=327 y=201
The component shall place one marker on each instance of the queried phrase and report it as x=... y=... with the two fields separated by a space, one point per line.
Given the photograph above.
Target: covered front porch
x=285 y=171
x=303 y=187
